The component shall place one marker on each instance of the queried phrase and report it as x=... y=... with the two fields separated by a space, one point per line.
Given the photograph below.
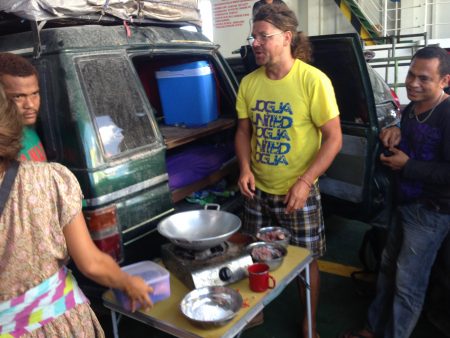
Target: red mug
x=259 y=277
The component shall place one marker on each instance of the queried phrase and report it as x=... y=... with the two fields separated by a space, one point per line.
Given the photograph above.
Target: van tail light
x=104 y=229
x=395 y=98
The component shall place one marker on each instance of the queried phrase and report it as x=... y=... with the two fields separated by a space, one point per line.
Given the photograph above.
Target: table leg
x=308 y=301
x=115 y=324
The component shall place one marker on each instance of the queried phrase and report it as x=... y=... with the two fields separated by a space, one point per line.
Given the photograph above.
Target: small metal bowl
x=273 y=263
x=260 y=235
x=242 y=238
x=211 y=306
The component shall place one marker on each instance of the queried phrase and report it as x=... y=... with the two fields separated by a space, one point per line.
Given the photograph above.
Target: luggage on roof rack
x=44 y=10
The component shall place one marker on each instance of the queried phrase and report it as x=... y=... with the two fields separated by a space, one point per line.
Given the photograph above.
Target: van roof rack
x=10 y=23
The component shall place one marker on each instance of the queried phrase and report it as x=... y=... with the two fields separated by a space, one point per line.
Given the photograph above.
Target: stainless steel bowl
x=211 y=306
x=273 y=263
x=199 y=229
x=264 y=231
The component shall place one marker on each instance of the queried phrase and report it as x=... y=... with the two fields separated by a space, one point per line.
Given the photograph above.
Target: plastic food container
x=154 y=275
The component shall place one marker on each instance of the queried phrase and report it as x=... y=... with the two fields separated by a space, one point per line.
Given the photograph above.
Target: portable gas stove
x=221 y=265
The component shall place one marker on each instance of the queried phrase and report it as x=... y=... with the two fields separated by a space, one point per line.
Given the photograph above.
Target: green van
x=102 y=117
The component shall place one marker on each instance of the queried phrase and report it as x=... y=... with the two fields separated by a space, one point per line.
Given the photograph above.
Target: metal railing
x=396 y=52
x=421 y=16
x=406 y=26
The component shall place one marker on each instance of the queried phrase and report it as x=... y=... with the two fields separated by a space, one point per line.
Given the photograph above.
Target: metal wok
x=199 y=229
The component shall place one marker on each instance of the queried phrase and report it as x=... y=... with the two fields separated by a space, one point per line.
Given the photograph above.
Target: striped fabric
x=40 y=305
x=306 y=225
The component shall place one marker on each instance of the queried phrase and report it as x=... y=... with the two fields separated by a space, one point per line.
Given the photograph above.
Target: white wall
x=433 y=18
x=320 y=17
x=231 y=20
x=207 y=19
x=231 y=23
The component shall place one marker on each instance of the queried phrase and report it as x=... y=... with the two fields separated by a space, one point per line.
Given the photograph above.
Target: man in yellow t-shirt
x=288 y=134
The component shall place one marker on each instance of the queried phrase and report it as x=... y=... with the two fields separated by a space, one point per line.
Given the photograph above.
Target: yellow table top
x=166 y=315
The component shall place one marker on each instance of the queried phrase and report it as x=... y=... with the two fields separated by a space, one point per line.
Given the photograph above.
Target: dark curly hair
x=10 y=130
x=282 y=17
x=15 y=65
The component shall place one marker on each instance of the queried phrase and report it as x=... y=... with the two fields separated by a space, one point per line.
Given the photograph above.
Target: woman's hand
x=137 y=290
x=100 y=267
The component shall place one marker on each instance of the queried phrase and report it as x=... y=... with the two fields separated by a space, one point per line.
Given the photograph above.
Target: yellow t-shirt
x=286 y=116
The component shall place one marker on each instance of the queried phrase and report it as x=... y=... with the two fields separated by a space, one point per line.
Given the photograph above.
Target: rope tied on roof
x=105 y=7
x=127 y=28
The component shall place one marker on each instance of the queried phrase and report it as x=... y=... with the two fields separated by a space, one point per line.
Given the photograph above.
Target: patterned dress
x=44 y=198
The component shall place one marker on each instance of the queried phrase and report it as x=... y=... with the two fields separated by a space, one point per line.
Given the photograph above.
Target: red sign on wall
x=231 y=13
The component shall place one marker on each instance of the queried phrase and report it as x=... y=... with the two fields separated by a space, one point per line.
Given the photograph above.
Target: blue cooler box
x=188 y=94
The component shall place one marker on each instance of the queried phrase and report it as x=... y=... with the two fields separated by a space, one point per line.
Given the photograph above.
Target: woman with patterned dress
x=41 y=226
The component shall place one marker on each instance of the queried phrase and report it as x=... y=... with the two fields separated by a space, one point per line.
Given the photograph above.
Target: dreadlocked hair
x=282 y=17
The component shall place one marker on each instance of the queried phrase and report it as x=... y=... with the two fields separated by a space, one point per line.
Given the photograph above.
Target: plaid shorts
x=306 y=225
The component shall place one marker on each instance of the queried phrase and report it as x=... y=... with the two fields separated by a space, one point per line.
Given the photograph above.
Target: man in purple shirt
x=420 y=155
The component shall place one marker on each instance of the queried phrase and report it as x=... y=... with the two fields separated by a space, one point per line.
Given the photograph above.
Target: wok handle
x=213 y=205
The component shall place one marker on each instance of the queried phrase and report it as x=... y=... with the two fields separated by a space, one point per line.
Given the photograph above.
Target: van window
x=337 y=59
x=45 y=126
x=120 y=115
